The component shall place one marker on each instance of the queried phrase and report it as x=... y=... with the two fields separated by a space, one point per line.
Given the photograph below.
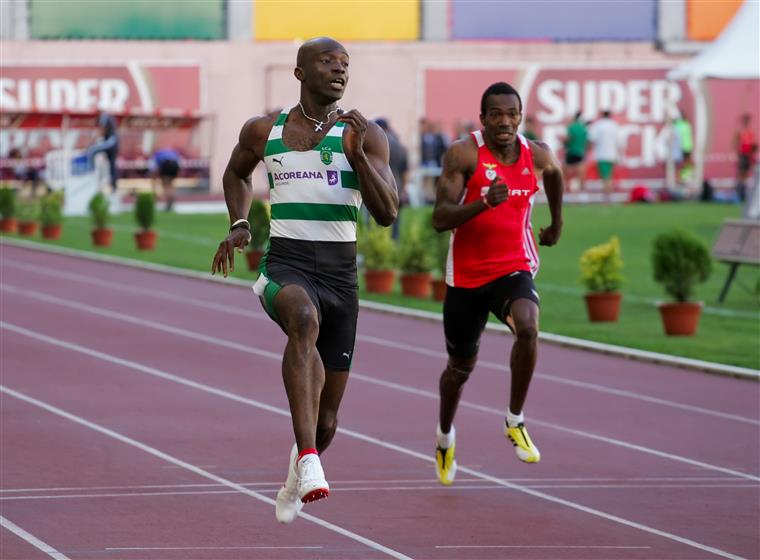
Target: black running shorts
x=327 y=273
x=465 y=310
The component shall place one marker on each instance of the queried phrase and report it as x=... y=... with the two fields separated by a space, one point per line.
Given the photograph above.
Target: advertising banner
x=639 y=99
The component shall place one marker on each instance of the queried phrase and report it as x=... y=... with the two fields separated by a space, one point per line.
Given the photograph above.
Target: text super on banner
x=640 y=99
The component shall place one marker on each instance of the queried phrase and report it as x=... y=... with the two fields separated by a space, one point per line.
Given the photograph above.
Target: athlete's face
x=325 y=71
x=501 y=119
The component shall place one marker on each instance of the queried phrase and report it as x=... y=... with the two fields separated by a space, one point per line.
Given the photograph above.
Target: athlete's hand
x=353 y=139
x=224 y=260
x=550 y=235
x=498 y=192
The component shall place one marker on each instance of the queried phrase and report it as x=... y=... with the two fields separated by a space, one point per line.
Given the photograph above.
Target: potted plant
x=99 y=212
x=441 y=243
x=259 y=218
x=378 y=258
x=145 y=214
x=28 y=214
x=8 y=223
x=51 y=215
x=680 y=260
x=415 y=262
x=600 y=273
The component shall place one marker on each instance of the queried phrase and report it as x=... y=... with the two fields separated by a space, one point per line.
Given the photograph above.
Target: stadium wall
x=405 y=81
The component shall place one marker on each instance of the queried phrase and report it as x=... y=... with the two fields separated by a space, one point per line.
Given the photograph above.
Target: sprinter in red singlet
x=485 y=195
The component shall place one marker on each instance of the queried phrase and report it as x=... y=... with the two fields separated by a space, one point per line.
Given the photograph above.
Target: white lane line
x=31 y=539
x=377 y=340
x=383 y=482
x=165 y=548
x=367 y=439
x=386 y=384
x=559 y=546
x=194 y=469
x=433 y=486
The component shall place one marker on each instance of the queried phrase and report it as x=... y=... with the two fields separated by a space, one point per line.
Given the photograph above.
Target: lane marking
x=433 y=486
x=381 y=342
x=379 y=481
x=591 y=546
x=31 y=539
x=355 y=375
x=194 y=469
x=361 y=437
x=131 y=548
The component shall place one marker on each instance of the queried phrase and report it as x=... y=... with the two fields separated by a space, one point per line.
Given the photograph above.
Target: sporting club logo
x=326 y=155
x=332 y=177
x=490 y=171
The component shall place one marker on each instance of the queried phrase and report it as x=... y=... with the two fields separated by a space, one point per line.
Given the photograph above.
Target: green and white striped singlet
x=314 y=195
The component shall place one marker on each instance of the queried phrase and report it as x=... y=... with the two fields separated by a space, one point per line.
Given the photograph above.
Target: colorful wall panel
x=558 y=20
x=706 y=20
x=287 y=20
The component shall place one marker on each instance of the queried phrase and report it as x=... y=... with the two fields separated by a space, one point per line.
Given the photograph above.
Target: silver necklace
x=318 y=126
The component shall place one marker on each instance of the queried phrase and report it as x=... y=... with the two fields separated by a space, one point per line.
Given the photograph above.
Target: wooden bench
x=738 y=243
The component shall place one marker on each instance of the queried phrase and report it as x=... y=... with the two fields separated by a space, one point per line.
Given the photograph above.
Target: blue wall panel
x=559 y=20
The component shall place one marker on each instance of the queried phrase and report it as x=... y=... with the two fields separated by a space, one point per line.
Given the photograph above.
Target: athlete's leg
x=332 y=393
x=302 y=369
x=523 y=317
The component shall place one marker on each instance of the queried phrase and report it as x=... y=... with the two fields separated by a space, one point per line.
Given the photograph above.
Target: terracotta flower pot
x=603 y=307
x=27 y=228
x=439 y=290
x=254 y=258
x=418 y=284
x=680 y=318
x=379 y=281
x=8 y=225
x=102 y=237
x=146 y=240
x=52 y=231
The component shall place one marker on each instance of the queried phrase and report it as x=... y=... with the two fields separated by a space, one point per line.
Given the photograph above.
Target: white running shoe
x=312 y=485
x=288 y=502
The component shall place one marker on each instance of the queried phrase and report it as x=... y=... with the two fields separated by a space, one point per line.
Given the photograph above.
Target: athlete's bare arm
x=546 y=164
x=367 y=150
x=238 y=189
x=459 y=163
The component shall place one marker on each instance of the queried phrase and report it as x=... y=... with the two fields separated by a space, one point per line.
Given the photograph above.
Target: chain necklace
x=318 y=126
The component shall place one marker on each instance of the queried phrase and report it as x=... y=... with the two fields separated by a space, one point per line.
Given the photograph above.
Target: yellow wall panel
x=707 y=18
x=347 y=20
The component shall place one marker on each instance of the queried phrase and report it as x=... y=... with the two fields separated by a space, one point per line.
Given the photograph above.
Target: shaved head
x=316 y=46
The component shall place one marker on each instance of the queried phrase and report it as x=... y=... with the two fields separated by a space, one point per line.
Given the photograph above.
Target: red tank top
x=499 y=240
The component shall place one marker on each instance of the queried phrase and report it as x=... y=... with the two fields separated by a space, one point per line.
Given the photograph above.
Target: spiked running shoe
x=445 y=464
x=288 y=502
x=312 y=485
x=526 y=451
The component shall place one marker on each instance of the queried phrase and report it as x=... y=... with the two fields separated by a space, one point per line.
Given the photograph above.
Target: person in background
x=685 y=137
x=165 y=165
x=109 y=145
x=399 y=167
x=529 y=129
x=576 y=145
x=605 y=136
x=745 y=144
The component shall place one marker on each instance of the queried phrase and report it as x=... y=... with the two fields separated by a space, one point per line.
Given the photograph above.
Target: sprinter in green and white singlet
x=322 y=163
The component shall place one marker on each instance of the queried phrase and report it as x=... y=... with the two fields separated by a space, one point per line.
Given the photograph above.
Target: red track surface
x=143 y=417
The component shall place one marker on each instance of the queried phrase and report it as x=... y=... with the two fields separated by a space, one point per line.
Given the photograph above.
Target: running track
x=143 y=417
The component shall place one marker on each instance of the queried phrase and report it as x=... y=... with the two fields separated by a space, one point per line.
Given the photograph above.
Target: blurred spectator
x=433 y=145
x=745 y=144
x=529 y=128
x=463 y=129
x=23 y=172
x=604 y=135
x=165 y=166
x=399 y=167
x=108 y=144
x=685 y=138
x=576 y=145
